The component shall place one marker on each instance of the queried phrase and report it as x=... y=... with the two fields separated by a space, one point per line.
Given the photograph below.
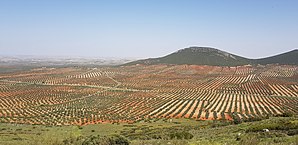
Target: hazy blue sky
x=146 y=28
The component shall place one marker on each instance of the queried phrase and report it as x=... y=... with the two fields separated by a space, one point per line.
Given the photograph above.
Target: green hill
x=198 y=56
x=290 y=58
x=215 y=57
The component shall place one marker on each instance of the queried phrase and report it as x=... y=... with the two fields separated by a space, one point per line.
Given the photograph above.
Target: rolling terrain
x=81 y=96
x=151 y=102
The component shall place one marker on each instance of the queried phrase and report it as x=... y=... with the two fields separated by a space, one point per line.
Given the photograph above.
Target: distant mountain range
x=215 y=57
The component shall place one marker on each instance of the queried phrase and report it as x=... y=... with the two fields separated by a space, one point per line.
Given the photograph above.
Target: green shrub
x=80 y=127
x=97 y=140
x=249 y=140
x=292 y=132
x=260 y=127
x=118 y=140
x=181 y=135
x=287 y=114
x=219 y=123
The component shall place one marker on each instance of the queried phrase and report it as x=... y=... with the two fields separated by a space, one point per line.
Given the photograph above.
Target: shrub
x=249 y=140
x=293 y=132
x=287 y=114
x=119 y=140
x=181 y=135
x=80 y=127
x=97 y=140
x=260 y=127
x=237 y=121
x=219 y=123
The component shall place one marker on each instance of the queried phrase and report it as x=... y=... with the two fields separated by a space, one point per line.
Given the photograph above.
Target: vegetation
x=96 y=140
x=82 y=96
x=215 y=57
x=198 y=56
x=289 y=58
x=150 y=104
x=282 y=130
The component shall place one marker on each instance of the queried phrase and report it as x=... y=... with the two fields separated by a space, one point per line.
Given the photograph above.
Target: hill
x=215 y=57
x=290 y=58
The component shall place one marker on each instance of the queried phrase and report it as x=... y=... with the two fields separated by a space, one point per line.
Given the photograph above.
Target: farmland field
x=128 y=94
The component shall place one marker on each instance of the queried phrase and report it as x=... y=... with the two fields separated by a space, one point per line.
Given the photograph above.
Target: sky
x=146 y=28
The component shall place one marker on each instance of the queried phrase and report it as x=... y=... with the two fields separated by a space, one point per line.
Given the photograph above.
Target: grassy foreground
x=282 y=130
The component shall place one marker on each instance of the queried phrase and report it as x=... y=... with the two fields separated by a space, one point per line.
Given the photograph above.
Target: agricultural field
x=128 y=94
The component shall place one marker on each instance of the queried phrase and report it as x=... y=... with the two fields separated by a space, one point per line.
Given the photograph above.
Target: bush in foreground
x=97 y=140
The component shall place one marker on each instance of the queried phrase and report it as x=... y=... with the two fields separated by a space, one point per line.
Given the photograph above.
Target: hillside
x=290 y=58
x=198 y=56
x=215 y=57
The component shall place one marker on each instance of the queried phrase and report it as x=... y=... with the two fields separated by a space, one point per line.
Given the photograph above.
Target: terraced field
x=80 y=96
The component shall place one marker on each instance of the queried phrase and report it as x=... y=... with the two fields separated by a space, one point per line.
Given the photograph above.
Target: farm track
x=80 y=96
